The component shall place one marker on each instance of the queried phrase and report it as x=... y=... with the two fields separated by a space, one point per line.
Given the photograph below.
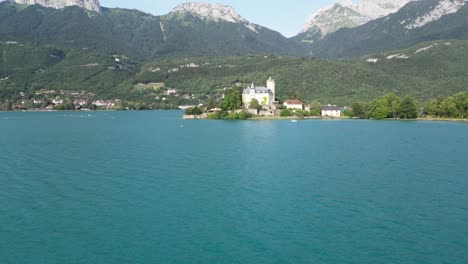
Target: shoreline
x=255 y=118
x=290 y=118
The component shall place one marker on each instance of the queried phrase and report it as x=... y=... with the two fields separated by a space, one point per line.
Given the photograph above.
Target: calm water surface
x=148 y=187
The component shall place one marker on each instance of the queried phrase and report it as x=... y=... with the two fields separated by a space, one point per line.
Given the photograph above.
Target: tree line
x=388 y=106
x=393 y=106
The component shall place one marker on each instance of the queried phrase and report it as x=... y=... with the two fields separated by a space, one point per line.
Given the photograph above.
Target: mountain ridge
x=90 y=5
x=347 y=14
x=391 y=32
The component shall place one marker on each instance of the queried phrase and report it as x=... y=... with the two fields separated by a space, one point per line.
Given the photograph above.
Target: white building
x=331 y=111
x=293 y=104
x=170 y=92
x=264 y=95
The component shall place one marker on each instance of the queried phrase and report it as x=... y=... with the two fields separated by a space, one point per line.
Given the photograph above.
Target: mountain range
x=346 y=14
x=344 y=29
x=418 y=21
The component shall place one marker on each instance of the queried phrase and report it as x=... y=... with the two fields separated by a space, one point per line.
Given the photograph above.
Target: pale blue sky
x=284 y=16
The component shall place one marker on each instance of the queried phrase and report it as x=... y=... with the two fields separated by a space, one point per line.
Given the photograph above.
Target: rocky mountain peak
x=91 y=5
x=346 y=14
x=214 y=12
x=442 y=8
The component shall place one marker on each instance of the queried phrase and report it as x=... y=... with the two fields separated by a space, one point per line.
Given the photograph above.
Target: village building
x=170 y=92
x=264 y=95
x=293 y=104
x=331 y=111
x=57 y=101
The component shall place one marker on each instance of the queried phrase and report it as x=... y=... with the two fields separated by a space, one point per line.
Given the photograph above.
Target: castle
x=264 y=95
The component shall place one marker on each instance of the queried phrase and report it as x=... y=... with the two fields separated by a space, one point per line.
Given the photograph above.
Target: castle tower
x=272 y=86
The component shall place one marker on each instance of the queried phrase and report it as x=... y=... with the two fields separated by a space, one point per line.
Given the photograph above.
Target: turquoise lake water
x=148 y=187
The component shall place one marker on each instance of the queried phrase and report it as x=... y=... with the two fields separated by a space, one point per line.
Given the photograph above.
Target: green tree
x=295 y=95
x=244 y=115
x=254 y=104
x=379 y=109
x=8 y=106
x=315 y=108
x=211 y=103
x=119 y=106
x=232 y=100
x=194 y=111
x=393 y=104
x=461 y=100
x=348 y=112
x=286 y=112
x=448 y=108
x=431 y=108
x=408 y=108
x=360 y=109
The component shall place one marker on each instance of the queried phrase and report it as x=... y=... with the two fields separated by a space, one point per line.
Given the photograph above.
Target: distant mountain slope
x=26 y=67
x=416 y=22
x=141 y=35
x=345 y=14
x=113 y=31
x=424 y=71
x=188 y=33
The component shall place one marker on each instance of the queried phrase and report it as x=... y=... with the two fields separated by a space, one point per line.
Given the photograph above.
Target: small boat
x=294 y=121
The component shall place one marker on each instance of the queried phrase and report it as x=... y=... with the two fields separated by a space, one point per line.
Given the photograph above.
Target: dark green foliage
x=348 y=112
x=254 y=104
x=379 y=109
x=194 y=111
x=407 y=108
x=281 y=107
x=315 y=108
x=360 y=109
x=440 y=71
x=211 y=103
x=232 y=101
x=393 y=104
x=224 y=115
x=455 y=106
x=286 y=113
x=244 y=115
x=29 y=68
x=218 y=115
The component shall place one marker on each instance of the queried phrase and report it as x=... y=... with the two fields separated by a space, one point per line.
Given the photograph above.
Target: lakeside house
x=293 y=104
x=264 y=95
x=331 y=111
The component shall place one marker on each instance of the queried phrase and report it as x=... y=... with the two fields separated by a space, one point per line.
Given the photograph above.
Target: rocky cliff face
x=91 y=5
x=347 y=14
x=214 y=12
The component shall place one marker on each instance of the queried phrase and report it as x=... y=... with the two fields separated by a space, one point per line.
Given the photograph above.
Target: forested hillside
x=424 y=71
x=137 y=34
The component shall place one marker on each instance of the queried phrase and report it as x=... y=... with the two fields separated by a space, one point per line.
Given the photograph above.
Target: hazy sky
x=285 y=16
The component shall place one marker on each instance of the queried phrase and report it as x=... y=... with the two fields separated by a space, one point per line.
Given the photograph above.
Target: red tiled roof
x=289 y=102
